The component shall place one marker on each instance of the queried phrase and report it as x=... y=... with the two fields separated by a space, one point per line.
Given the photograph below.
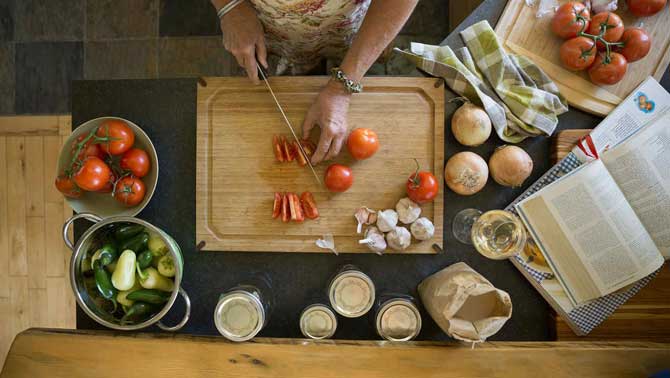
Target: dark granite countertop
x=166 y=110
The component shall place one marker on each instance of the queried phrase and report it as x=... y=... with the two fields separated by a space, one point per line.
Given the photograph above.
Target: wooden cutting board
x=238 y=175
x=524 y=34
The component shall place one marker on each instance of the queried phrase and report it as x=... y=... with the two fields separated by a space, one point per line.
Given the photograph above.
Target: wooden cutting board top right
x=522 y=33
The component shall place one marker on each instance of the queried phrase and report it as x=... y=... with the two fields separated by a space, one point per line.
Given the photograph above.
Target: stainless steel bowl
x=84 y=299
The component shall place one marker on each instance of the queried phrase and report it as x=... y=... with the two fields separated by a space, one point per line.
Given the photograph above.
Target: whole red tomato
x=89 y=149
x=610 y=23
x=578 y=53
x=570 y=19
x=130 y=191
x=136 y=161
x=339 y=178
x=121 y=137
x=67 y=186
x=93 y=174
x=636 y=44
x=109 y=187
x=422 y=187
x=608 y=73
x=362 y=143
x=643 y=8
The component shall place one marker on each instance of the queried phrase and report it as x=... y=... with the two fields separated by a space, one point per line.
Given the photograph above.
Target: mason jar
x=351 y=292
x=397 y=317
x=244 y=310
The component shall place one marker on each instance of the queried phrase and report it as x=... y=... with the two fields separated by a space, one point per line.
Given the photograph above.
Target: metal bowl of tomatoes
x=108 y=166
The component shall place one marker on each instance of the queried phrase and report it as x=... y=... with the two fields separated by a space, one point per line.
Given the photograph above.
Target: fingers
x=249 y=64
x=335 y=147
x=308 y=123
x=323 y=147
x=262 y=52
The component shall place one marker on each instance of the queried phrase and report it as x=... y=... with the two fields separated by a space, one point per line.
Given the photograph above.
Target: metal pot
x=76 y=278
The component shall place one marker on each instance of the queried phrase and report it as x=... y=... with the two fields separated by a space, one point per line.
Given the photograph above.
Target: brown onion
x=471 y=125
x=466 y=173
x=510 y=166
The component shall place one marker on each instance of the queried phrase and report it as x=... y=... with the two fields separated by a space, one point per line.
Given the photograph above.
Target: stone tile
x=119 y=19
x=6 y=20
x=129 y=59
x=397 y=64
x=7 y=77
x=44 y=74
x=195 y=56
x=430 y=18
x=54 y=20
x=179 y=18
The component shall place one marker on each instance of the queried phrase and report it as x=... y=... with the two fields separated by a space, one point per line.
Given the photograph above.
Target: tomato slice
x=278 y=150
x=285 y=211
x=276 y=206
x=287 y=146
x=309 y=205
x=299 y=157
x=296 y=208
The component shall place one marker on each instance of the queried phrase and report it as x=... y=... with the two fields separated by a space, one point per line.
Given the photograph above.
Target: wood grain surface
x=525 y=34
x=238 y=174
x=646 y=316
x=42 y=353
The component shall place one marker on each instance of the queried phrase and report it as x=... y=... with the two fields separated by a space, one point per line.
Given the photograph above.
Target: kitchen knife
x=288 y=123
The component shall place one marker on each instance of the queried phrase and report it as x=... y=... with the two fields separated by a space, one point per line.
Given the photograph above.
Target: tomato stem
x=414 y=178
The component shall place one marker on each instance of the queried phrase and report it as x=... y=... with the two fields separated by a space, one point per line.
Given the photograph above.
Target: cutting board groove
x=238 y=174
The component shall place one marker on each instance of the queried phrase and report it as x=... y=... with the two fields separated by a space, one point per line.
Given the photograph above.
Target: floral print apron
x=301 y=32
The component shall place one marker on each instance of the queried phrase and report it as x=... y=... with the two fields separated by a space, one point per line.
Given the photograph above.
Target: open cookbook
x=604 y=225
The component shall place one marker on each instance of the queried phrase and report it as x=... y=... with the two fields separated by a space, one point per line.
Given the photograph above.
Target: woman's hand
x=243 y=37
x=329 y=111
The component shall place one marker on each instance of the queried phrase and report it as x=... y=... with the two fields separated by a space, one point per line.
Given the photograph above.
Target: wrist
x=336 y=88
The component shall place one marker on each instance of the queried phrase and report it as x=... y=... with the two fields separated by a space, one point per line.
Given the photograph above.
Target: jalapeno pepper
x=104 y=283
x=136 y=243
x=127 y=231
x=137 y=310
x=144 y=259
x=108 y=254
x=149 y=296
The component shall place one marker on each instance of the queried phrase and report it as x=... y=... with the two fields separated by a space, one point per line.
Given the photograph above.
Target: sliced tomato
x=277 y=147
x=285 y=211
x=309 y=205
x=276 y=206
x=299 y=157
x=296 y=208
x=289 y=153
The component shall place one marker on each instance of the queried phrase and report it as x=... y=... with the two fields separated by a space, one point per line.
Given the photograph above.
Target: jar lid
x=239 y=315
x=318 y=322
x=352 y=293
x=398 y=320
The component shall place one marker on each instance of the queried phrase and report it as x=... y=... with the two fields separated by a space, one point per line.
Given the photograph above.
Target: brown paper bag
x=464 y=303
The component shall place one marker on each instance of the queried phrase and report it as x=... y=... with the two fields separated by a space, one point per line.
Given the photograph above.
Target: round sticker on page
x=643 y=102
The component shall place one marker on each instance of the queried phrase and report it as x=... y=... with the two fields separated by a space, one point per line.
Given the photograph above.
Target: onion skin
x=466 y=173
x=470 y=125
x=510 y=166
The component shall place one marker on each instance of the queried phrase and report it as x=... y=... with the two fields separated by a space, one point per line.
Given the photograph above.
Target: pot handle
x=66 y=227
x=187 y=314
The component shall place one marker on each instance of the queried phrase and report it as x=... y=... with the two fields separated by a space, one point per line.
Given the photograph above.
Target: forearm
x=218 y=4
x=382 y=23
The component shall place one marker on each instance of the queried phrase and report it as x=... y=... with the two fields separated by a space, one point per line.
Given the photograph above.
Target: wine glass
x=461 y=226
x=498 y=234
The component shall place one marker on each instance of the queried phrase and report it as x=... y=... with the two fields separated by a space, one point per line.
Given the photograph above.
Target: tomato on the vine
x=422 y=186
x=136 y=161
x=109 y=187
x=121 y=137
x=636 y=44
x=604 y=72
x=578 y=53
x=67 y=186
x=129 y=191
x=643 y=8
x=89 y=149
x=610 y=23
x=362 y=143
x=92 y=175
x=570 y=19
x=339 y=178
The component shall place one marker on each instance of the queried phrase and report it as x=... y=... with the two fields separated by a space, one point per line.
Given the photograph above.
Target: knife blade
x=288 y=123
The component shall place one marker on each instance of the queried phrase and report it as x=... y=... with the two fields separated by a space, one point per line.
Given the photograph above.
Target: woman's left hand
x=329 y=111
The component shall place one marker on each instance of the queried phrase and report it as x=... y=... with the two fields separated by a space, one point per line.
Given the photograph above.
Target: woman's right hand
x=243 y=37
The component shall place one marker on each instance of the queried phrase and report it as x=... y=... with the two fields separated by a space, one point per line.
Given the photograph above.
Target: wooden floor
x=34 y=285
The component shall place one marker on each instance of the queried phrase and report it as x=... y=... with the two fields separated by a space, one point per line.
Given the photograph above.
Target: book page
x=641 y=168
x=597 y=244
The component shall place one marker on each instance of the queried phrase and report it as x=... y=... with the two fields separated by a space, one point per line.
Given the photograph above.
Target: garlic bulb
x=364 y=215
x=422 y=229
x=374 y=239
x=408 y=210
x=398 y=239
x=386 y=220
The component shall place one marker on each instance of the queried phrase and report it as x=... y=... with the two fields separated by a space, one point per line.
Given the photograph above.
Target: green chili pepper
x=149 y=295
x=108 y=254
x=136 y=243
x=137 y=310
x=127 y=231
x=104 y=283
x=144 y=259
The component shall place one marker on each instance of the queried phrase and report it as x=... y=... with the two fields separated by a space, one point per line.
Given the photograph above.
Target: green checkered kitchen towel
x=519 y=97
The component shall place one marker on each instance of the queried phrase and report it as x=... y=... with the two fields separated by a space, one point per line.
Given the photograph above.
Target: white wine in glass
x=498 y=234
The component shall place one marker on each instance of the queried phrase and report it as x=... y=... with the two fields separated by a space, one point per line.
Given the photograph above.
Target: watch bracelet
x=349 y=85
